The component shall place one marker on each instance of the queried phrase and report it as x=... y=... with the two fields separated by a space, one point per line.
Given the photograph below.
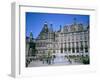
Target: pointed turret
x=44 y=31
x=51 y=28
x=31 y=36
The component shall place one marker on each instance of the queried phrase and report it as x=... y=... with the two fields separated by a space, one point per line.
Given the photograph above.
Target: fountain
x=60 y=58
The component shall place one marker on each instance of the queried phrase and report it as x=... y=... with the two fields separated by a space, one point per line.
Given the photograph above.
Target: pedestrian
x=53 y=59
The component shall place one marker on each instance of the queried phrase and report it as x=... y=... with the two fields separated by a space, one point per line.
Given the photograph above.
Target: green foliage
x=85 y=60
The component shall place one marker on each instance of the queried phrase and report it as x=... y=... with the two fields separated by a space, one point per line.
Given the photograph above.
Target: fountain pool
x=60 y=58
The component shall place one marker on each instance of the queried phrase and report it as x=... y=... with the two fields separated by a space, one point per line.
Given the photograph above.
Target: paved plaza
x=59 y=60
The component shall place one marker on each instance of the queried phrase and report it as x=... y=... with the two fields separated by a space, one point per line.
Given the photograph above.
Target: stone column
x=75 y=47
x=79 y=47
x=83 y=47
x=71 y=47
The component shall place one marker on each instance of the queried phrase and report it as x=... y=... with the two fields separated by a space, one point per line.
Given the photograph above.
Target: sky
x=35 y=21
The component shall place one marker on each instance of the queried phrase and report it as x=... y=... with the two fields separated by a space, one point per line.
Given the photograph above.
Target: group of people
x=51 y=60
x=48 y=59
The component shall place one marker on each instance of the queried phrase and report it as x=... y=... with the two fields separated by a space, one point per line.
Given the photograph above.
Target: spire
x=51 y=28
x=61 y=28
x=45 y=25
x=31 y=36
x=45 y=28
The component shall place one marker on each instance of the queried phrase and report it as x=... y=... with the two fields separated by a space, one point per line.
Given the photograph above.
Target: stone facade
x=70 y=39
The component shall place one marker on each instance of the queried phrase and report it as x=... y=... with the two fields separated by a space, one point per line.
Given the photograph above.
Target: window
x=73 y=49
x=77 y=49
x=81 y=46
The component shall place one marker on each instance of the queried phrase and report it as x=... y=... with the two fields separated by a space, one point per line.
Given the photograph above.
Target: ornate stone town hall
x=72 y=40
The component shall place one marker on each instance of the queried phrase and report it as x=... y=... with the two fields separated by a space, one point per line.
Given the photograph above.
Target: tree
x=61 y=50
x=85 y=60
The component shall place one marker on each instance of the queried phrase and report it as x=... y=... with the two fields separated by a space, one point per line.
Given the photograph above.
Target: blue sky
x=35 y=21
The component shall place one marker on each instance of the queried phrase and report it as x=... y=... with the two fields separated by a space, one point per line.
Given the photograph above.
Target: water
x=60 y=58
